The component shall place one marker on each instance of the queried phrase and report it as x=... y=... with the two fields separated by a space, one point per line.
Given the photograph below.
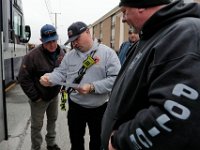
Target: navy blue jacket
x=124 y=48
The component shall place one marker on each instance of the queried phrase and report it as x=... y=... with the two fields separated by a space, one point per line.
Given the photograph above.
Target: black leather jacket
x=155 y=102
x=35 y=64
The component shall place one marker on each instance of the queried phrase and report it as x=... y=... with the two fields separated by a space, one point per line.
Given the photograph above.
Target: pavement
x=18 y=119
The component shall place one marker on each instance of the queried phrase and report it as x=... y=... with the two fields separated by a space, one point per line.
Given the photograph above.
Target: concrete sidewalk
x=18 y=114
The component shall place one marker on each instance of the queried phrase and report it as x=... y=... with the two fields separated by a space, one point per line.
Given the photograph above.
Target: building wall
x=106 y=32
x=96 y=30
x=117 y=33
x=121 y=29
x=102 y=29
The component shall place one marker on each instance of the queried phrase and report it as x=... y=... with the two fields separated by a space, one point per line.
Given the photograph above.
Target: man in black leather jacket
x=155 y=102
x=37 y=62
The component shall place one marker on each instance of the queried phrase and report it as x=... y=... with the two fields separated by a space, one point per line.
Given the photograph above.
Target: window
x=112 y=38
x=17 y=24
x=100 y=32
x=18 y=4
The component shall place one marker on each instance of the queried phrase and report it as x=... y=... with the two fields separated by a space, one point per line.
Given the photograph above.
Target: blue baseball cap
x=48 y=33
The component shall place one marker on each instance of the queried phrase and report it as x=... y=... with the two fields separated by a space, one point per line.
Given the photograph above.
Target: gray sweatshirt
x=102 y=74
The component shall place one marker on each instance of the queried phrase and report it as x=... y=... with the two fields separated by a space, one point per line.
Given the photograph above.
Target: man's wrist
x=112 y=141
x=38 y=100
x=92 y=88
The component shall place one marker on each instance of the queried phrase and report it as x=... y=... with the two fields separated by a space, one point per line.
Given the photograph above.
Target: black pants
x=78 y=117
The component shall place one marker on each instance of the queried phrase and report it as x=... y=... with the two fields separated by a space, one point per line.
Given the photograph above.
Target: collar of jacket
x=168 y=15
x=50 y=53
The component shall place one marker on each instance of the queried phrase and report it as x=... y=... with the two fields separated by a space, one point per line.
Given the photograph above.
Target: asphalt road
x=18 y=116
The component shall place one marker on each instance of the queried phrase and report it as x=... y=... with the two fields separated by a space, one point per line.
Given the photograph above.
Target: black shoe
x=54 y=147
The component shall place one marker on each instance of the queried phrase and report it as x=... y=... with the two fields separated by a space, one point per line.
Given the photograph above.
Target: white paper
x=68 y=84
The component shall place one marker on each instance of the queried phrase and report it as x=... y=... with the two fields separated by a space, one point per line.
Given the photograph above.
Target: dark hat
x=131 y=30
x=48 y=33
x=74 y=31
x=143 y=3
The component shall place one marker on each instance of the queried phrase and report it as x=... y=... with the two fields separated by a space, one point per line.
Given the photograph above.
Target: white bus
x=14 y=37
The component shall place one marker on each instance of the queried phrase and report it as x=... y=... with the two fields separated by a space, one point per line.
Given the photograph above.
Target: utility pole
x=56 y=18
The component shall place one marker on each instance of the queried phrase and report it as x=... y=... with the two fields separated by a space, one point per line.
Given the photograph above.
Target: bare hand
x=84 y=89
x=110 y=147
x=39 y=100
x=44 y=80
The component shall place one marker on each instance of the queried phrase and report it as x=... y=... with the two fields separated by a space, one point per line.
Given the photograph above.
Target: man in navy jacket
x=126 y=45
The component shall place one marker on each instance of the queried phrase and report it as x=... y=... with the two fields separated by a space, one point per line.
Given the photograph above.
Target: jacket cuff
x=113 y=141
x=35 y=98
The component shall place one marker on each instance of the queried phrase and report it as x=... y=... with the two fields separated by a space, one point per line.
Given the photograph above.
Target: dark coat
x=35 y=64
x=155 y=102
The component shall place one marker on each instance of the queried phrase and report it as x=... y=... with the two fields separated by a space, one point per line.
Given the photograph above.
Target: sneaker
x=54 y=147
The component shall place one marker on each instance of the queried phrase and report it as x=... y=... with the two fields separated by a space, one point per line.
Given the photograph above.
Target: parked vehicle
x=14 y=37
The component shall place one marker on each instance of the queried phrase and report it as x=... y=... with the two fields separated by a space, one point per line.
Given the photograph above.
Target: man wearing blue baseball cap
x=42 y=59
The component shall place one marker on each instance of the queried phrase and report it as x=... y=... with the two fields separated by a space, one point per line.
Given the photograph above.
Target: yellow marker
x=88 y=62
x=64 y=98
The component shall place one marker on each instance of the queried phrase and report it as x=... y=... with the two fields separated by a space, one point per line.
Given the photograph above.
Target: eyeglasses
x=48 y=33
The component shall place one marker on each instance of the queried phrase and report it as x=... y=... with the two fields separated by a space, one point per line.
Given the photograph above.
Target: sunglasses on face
x=48 y=33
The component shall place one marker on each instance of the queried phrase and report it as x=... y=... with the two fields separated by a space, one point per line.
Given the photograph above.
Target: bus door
x=3 y=124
